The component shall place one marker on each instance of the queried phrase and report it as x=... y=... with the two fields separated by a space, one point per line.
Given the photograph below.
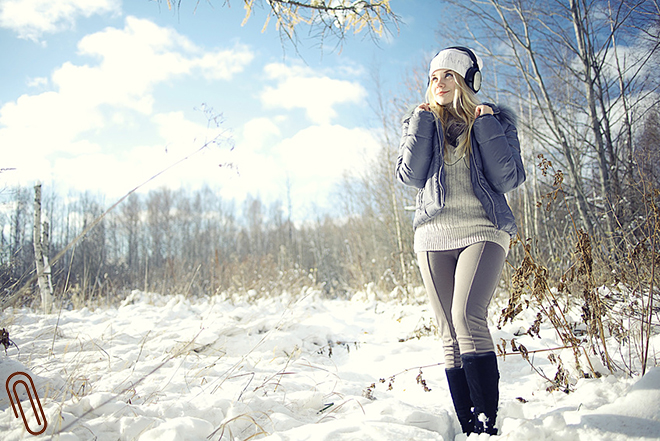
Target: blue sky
x=100 y=95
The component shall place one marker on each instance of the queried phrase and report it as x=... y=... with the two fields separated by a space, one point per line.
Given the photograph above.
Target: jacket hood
x=504 y=114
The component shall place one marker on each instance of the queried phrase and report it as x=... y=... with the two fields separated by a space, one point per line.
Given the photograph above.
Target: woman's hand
x=482 y=110
x=424 y=106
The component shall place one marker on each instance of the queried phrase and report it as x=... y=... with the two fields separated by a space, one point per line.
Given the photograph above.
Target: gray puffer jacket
x=495 y=164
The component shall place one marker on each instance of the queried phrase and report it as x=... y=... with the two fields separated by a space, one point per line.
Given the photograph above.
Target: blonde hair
x=463 y=107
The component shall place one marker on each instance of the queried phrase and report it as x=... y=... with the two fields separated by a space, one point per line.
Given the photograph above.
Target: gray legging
x=460 y=284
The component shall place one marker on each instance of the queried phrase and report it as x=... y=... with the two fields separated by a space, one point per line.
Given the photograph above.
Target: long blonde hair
x=463 y=107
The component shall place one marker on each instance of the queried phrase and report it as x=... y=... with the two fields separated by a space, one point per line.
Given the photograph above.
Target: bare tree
x=130 y=222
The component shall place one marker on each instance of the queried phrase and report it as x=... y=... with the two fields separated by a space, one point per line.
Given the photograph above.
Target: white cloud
x=223 y=65
x=257 y=131
x=302 y=88
x=136 y=58
x=97 y=99
x=320 y=152
x=179 y=132
x=115 y=173
x=48 y=122
x=38 y=82
x=255 y=170
x=311 y=161
x=83 y=171
x=30 y=19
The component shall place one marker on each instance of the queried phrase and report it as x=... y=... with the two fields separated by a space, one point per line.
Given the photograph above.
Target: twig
x=525 y=352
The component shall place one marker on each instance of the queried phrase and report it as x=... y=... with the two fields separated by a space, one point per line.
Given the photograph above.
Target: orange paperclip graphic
x=21 y=378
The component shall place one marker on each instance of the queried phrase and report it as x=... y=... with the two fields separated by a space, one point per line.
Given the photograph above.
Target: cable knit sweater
x=463 y=220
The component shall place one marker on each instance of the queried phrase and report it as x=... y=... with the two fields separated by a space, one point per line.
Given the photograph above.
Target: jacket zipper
x=492 y=202
x=441 y=169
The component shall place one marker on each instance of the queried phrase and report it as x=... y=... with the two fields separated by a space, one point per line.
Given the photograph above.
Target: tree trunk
x=40 y=240
x=585 y=53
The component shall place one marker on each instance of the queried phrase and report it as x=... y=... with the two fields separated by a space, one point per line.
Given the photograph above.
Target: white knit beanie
x=454 y=59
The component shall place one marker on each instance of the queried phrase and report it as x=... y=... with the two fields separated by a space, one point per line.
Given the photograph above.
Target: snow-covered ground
x=290 y=368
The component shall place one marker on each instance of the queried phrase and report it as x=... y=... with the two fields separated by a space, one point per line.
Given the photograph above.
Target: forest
x=582 y=77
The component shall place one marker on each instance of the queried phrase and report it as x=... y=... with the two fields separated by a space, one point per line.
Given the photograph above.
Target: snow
x=291 y=368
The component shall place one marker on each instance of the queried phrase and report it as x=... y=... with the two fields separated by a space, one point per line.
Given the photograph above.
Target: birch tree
x=40 y=240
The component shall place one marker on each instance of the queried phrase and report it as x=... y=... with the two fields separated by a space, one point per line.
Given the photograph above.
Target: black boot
x=483 y=378
x=460 y=395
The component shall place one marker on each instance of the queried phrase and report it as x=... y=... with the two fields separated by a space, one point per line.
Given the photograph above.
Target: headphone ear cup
x=473 y=79
x=476 y=81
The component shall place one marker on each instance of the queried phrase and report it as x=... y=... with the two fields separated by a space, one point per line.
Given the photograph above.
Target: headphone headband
x=468 y=51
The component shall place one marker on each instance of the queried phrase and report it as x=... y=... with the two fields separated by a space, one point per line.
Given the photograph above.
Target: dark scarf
x=454 y=127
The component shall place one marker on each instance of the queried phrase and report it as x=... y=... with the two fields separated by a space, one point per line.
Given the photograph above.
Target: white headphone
x=473 y=74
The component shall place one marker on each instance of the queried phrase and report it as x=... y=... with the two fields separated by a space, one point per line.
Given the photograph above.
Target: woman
x=463 y=156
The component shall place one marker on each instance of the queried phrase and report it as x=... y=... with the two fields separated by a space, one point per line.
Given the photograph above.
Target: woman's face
x=443 y=86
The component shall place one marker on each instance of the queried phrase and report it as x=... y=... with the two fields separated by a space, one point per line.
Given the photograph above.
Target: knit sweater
x=463 y=220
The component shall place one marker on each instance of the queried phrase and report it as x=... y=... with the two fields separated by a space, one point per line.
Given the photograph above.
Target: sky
x=101 y=95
